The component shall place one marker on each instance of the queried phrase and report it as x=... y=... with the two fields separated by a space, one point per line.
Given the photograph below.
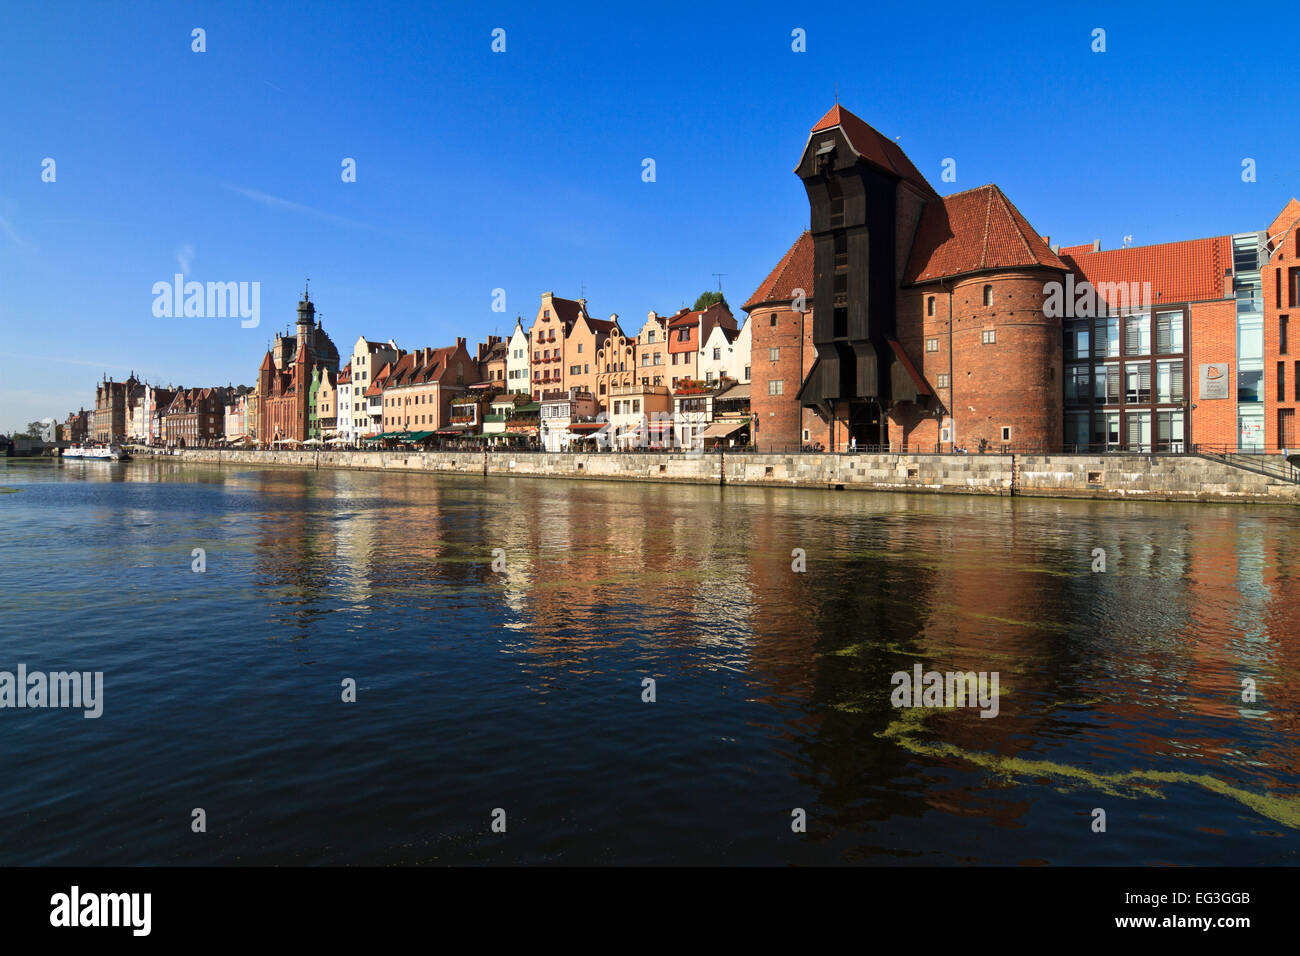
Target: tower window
x=929 y=306
x=773 y=320
x=988 y=337
x=988 y=295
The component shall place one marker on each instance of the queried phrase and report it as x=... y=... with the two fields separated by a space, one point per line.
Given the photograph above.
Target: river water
x=522 y=688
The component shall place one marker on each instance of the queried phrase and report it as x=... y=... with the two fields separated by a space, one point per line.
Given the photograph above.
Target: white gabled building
x=368 y=358
x=517 y=360
x=344 y=429
x=725 y=354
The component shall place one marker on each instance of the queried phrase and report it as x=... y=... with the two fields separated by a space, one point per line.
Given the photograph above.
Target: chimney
x=460 y=343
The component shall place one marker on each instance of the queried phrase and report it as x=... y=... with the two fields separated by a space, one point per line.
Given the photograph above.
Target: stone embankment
x=1158 y=477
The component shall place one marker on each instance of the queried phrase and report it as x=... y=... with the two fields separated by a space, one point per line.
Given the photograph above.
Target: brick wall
x=780 y=417
x=1213 y=338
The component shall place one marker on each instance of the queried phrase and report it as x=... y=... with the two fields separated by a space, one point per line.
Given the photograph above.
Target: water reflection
x=1120 y=689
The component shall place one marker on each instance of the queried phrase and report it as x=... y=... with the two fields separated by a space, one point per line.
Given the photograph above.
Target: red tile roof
x=1188 y=271
x=1076 y=250
x=974 y=231
x=876 y=149
x=794 y=271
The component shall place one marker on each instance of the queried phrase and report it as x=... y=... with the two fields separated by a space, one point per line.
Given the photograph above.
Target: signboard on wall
x=1215 y=381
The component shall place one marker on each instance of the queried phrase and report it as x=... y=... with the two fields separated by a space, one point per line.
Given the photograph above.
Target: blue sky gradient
x=522 y=170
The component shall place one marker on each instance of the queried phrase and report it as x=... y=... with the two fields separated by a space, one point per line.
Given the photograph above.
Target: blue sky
x=522 y=170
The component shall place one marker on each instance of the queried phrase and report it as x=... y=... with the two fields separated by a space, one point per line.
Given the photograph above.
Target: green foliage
x=707 y=299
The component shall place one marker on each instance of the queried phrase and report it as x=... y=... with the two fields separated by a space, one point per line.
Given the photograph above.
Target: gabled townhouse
x=585 y=340
x=374 y=399
x=687 y=332
x=367 y=360
x=195 y=417
x=417 y=392
x=563 y=343
x=725 y=354
x=491 y=359
x=344 y=429
x=323 y=405
x=652 y=351
x=615 y=364
x=517 y=360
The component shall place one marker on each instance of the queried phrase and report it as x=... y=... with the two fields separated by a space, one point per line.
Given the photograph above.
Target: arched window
x=988 y=295
x=773 y=320
x=929 y=306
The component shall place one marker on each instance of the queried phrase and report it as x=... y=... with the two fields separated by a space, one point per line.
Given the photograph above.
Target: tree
x=34 y=429
x=707 y=299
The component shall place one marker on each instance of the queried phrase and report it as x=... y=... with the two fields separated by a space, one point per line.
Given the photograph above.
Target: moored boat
x=96 y=452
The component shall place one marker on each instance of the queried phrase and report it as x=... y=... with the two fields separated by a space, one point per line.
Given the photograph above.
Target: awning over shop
x=723 y=429
x=414 y=437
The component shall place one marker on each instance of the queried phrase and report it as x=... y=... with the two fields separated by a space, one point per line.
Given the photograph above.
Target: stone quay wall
x=1148 y=477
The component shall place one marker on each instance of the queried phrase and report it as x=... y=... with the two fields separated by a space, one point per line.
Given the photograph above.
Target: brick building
x=195 y=417
x=418 y=388
x=285 y=377
x=113 y=401
x=906 y=319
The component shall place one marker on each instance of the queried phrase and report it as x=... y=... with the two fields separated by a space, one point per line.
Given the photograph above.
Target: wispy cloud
x=11 y=233
x=275 y=202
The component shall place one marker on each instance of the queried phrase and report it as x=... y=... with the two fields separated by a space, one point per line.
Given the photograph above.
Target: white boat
x=96 y=452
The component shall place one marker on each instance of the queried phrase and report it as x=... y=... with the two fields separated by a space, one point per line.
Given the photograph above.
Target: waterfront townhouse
x=615 y=364
x=345 y=429
x=687 y=332
x=652 y=350
x=641 y=416
x=692 y=413
x=732 y=422
x=418 y=391
x=725 y=354
x=465 y=415
x=195 y=417
x=236 y=411
x=367 y=360
x=518 y=360
x=585 y=340
x=563 y=343
x=77 y=426
x=559 y=415
x=511 y=418
x=491 y=359
x=323 y=406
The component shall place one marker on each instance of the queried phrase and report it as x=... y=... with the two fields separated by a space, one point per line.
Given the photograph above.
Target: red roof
x=794 y=271
x=876 y=149
x=1188 y=271
x=974 y=231
x=1076 y=250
